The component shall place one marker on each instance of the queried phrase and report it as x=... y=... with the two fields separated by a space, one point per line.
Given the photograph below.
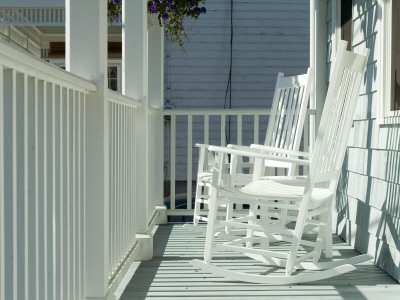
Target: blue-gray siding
x=368 y=200
x=269 y=36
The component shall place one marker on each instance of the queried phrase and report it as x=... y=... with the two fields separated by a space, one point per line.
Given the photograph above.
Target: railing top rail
x=155 y=110
x=24 y=62
x=223 y=112
x=34 y=4
x=123 y=100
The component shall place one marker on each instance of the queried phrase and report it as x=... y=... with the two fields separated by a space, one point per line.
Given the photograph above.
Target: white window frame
x=117 y=63
x=386 y=115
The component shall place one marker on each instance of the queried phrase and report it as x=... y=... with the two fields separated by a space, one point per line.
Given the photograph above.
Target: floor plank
x=170 y=275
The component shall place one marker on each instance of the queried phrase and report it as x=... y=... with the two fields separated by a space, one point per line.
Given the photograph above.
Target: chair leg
x=197 y=203
x=328 y=237
x=324 y=238
x=252 y=220
x=264 y=220
x=229 y=215
x=211 y=228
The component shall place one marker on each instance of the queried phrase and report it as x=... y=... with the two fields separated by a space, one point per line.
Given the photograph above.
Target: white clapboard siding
x=368 y=200
x=269 y=36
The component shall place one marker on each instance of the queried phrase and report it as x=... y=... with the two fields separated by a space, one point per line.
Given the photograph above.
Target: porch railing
x=44 y=210
x=42 y=178
x=122 y=113
x=186 y=127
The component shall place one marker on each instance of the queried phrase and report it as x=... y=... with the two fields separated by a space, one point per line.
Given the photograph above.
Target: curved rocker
x=275 y=279
x=310 y=265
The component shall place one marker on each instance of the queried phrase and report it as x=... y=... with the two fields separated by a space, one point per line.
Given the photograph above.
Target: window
x=113 y=78
x=346 y=20
x=390 y=62
x=56 y=55
x=395 y=58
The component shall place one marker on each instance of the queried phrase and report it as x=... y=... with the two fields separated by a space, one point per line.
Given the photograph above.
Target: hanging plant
x=114 y=10
x=170 y=13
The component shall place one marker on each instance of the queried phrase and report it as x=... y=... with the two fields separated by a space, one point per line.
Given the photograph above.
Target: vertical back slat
x=287 y=118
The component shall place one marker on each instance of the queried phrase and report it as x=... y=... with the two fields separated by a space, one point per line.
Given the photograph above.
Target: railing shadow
x=170 y=276
x=140 y=283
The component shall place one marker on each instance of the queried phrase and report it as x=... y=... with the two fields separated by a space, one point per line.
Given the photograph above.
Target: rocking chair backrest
x=333 y=131
x=336 y=120
x=288 y=114
x=288 y=111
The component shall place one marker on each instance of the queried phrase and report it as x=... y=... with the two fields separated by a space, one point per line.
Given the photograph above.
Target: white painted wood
x=135 y=85
x=284 y=131
x=256 y=129
x=14 y=190
x=189 y=163
x=172 y=159
x=36 y=176
x=223 y=130
x=2 y=193
x=32 y=16
x=270 y=279
x=156 y=120
x=49 y=72
x=89 y=60
x=239 y=130
x=311 y=201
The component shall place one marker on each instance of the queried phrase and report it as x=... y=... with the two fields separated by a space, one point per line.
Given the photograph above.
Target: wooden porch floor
x=170 y=276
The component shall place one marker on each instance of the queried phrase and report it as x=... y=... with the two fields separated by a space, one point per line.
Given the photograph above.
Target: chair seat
x=240 y=179
x=275 y=190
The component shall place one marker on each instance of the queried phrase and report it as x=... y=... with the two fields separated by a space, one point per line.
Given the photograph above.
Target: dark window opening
x=113 y=78
x=346 y=19
x=395 y=59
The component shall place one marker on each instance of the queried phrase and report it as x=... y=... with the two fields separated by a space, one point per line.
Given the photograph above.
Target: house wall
x=269 y=36
x=368 y=198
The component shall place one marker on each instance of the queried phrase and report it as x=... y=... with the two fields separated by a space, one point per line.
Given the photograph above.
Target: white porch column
x=86 y=56
x=156 y=101
x=318 y=50
x=135 y=85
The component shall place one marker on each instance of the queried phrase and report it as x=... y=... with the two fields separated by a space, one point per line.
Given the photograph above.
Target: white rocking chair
x=307 y=206
x=284 y=131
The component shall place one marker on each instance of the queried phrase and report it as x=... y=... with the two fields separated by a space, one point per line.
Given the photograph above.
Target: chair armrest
x=257 y=153
x=268 y=149
x=202 y=145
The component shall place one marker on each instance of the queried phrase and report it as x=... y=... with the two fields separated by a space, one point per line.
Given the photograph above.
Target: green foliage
x=170 y=13
x=114 y=9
